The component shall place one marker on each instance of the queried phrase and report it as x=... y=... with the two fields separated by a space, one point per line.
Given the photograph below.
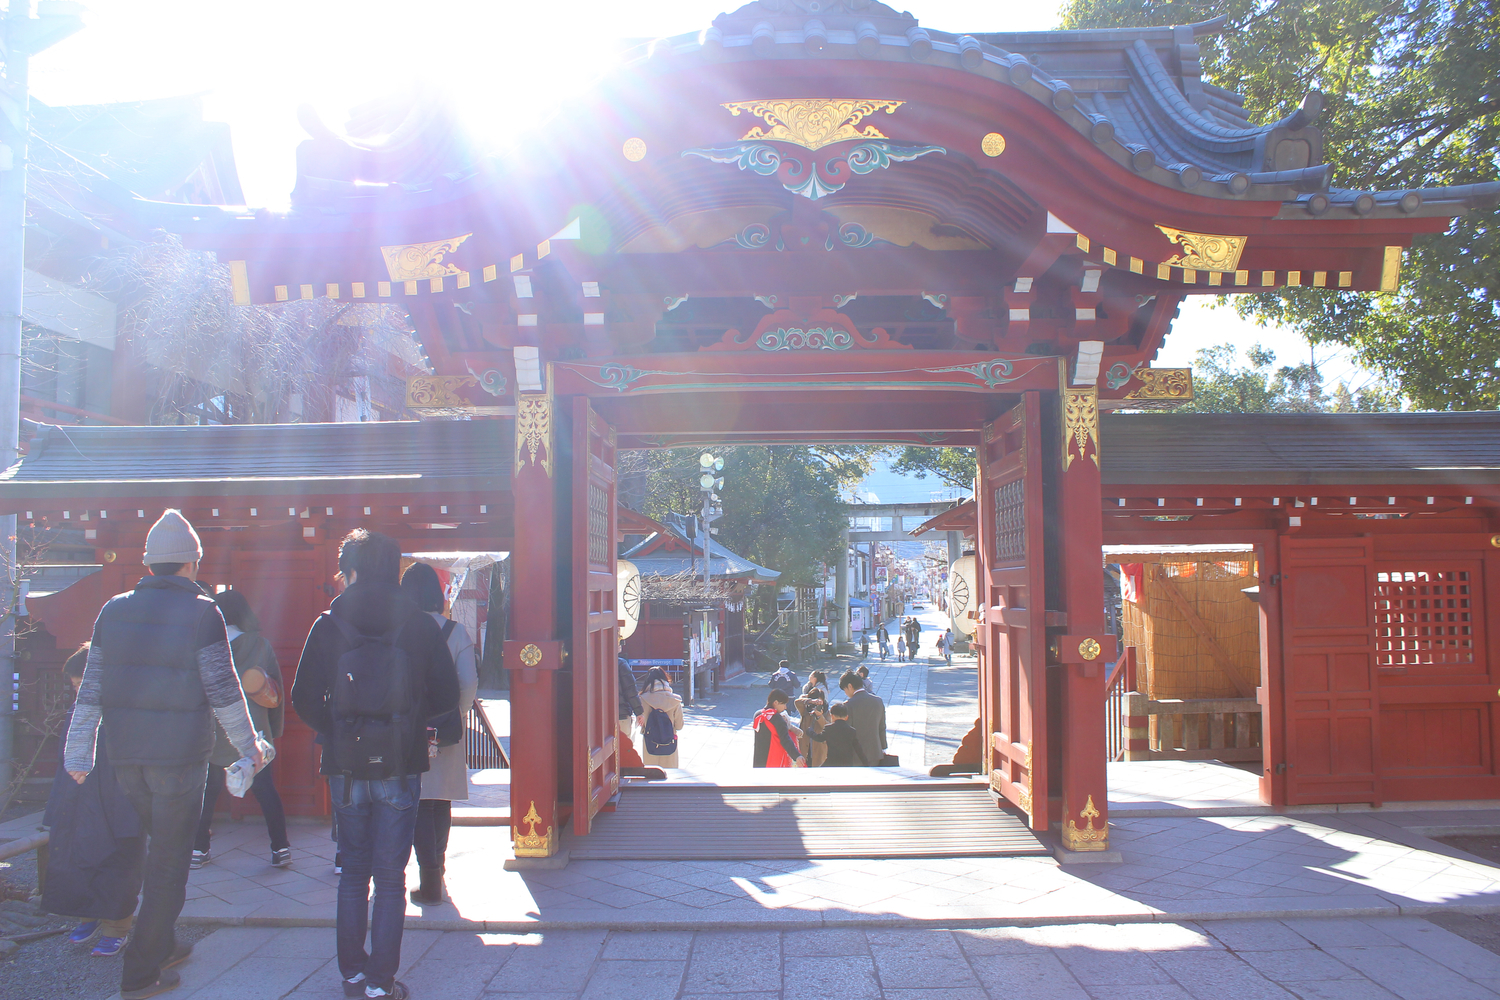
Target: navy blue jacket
x=97 y=846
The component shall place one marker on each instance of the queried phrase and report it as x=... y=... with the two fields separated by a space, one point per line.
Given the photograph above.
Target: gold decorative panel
x=532 y=844
x=1204 y=251
x=416 y=261
x=1080 y=425
x=437 y=391
x=1162 y=383
x=813 y=122
x=1089 y=838
x=534 y=430
x=992 y=144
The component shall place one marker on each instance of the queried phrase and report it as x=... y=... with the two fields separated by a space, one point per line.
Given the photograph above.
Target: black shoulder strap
x=448 y=627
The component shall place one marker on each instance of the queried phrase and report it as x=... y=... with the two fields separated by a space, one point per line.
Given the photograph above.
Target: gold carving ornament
x=1089 y=838
x=992 y=144
x=1080 y=425
x=437 y=391
x=418 y=261
x=813 y=122
x=634 y=149
x=1204 y=251
x=533 y=844
x=1162 y=383
x=534 y=430
x=531 y=655
x=1090 y=649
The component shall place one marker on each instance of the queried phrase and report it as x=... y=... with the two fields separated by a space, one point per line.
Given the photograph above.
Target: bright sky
x=504 y=63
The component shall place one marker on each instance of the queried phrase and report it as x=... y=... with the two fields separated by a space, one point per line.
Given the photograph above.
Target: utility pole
x=21 y=37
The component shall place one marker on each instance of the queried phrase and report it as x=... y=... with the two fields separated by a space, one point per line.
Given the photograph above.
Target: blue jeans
x=376 y=824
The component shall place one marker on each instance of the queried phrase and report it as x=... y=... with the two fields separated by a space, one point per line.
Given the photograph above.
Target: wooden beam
x=1204 y=635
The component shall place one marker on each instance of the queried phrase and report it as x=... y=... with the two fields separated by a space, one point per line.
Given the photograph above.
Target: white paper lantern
x=963 y=593
x=627 y=597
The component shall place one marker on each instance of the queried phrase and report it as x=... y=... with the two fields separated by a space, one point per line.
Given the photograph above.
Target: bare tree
x=248 y=364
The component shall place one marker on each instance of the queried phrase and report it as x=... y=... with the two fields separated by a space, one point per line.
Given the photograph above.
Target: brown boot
x=430 y=891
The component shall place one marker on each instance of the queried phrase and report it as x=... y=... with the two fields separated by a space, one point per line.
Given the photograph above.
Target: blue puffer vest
x=155 y=709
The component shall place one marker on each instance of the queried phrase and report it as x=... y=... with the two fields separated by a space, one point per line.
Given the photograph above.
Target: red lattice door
x=1012 y=635
x=596 y=755
x=1328 y=648
x=1437 y=687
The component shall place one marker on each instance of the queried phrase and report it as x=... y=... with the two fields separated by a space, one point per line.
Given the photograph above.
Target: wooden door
x=286 y=591
x=1432 y=656
x=1012 y=635
x=596 y=756
x=1328 y=643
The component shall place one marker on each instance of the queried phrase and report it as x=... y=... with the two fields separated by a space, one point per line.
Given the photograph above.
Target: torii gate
x=818 y=220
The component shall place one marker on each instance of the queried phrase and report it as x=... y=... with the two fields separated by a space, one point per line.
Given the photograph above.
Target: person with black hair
x=159 y=672
x=812 y=710
x=372 y=647
x=96 y=846
x=260 y=678
x=842 y=740
x=657 y=696
x=774 y=746
x=866 y=714
x=447 y=780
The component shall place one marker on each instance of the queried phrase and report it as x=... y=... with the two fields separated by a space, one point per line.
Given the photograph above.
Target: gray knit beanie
x=172 y=540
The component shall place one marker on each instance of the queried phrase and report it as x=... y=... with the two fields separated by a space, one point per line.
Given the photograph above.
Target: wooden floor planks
x=707 y=823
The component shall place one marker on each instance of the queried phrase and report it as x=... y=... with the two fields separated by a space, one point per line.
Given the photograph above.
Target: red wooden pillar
x=1087 y=645
x=533 y=650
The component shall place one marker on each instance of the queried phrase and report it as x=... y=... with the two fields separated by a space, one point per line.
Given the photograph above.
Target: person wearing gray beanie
x=159 y=672
x=172 y=540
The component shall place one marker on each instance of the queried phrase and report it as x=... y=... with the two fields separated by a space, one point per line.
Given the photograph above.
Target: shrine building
x=820 y=221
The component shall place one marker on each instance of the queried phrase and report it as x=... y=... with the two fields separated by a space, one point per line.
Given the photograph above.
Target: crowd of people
x=178 y=696
x=847 y=733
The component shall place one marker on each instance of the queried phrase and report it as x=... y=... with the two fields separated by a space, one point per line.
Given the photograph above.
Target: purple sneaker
x=107 y=947
x=83 y=931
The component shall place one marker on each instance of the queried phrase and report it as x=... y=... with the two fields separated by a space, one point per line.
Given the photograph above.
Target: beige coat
x=448 y=777
x=662 y=700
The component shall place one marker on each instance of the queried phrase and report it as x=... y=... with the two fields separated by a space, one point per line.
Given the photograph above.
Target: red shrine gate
x=955 y=244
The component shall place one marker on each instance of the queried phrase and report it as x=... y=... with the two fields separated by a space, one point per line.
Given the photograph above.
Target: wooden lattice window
x=1424 y=617
x=599 y=540
x=1010 y=522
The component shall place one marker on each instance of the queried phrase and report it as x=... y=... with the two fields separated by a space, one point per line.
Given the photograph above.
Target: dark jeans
x=376 y=822
x=434 y=820
x=265 y=792
x=169 y=801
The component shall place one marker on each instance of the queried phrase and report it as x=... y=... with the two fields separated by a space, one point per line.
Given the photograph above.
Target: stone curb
x=774 y=920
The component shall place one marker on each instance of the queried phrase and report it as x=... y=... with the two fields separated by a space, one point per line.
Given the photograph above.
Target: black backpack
x=449 y=725
x=374 y=706
x=659 y=736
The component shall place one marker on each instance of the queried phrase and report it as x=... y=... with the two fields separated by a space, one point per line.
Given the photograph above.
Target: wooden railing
x=1114 y=712
x=484 y=747
x=1226 y=729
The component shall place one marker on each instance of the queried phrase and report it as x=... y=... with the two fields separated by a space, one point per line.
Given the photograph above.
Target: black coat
x=843 y=745
x=97 y=846
x=370 y=608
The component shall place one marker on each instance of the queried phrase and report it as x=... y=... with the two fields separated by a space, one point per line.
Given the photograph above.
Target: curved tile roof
x=1137 y=93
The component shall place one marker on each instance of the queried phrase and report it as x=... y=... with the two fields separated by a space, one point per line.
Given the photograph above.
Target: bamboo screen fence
x=1196 y=633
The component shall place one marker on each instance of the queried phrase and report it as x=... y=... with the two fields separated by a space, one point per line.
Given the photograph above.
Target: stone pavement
x=1327 y=959
x=1175 y=868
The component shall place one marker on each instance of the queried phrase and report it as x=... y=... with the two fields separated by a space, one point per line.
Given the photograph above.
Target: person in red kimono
x=774 y=746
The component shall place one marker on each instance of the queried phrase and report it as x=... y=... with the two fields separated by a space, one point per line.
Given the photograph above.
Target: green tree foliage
x=1222 y=383
x=954 y=466
x=782 y=503
x=1413 y=101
